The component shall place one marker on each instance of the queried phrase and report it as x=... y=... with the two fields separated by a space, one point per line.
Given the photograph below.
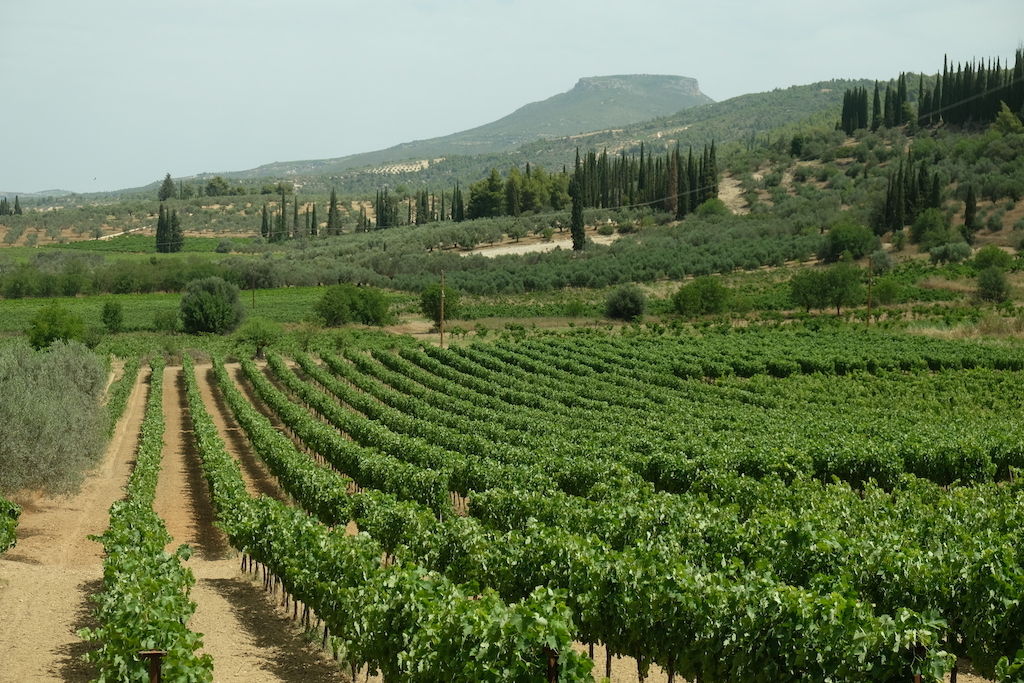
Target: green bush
x=346 y=303
x=930 y=229
x=54 y=322
x=952 y=252
x=705 y=295
x=846 y=236
x=993 y=285
x=113 y=316
x=211 y=305
x=991 y=255
x=627 y=302
x=53 y=425
x=430 y=302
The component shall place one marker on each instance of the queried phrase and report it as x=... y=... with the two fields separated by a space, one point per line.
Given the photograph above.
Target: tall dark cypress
x=175 y=236
x=314 y=226
x=876 y=109
x=265 y=225
x=162 y=240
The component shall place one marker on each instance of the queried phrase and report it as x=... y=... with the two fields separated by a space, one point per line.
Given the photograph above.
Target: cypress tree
x=295 y=217
x=162 y=240
x=314 y=226
x=265 y=224
x=876 y=110
x=576 y=226
x=889 y=117
x=333 y=219
x=175 y=236
x=970 y=210
x=17 y=206
x=166 y=190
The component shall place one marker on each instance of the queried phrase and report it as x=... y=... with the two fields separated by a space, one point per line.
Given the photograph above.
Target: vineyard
x=748 y=507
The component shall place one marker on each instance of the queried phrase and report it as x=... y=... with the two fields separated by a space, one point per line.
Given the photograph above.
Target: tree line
x=974 y=92
x=7 y=210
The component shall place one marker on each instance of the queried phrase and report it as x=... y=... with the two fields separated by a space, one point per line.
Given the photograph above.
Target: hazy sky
x=110 y=94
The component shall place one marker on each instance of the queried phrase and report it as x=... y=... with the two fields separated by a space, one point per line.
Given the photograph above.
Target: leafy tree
x=486 y=197
x=54 y=322
x=258 y=333
x=705 y=295
x=806 y=289
x=217 y=187
x=166 y=190
x=930 y=229
x=346 y=303
x=847 y=236
x=626 y=302
x=211 y=305
x=993 y=285
x=843 y=286
x=430 y=302
x=113 y=316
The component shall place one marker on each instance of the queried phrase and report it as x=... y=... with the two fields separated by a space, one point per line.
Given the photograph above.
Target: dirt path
x=249 y=638
x=45 y=581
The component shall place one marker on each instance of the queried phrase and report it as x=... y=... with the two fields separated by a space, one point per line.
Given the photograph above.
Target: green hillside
x=594 y=104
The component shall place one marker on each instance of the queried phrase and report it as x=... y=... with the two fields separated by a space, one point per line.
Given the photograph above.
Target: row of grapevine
x=145 y=603
x=609 y=600
x=902 y=567
x=120 y=391
x=402 y=620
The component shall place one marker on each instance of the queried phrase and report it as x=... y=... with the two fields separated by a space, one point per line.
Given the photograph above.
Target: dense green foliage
x=626 y=302
x=563 y=444
x=346 y=303
x=398 y=618
x=211 y=305
x=51 y=323
x=439 y=303
x=145 y=604
x=52 y=426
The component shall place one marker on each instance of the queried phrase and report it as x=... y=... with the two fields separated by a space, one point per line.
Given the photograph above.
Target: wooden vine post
x=552 y=660
x=156 y=658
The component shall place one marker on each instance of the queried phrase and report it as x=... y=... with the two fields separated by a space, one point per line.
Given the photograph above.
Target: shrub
x=258 y=333
x=430 y=302
x=54 y=426
x=113 y=316
x=952 y=252
x=625 y=303
x=993 y=285
x=886 y=291
x=713 y=207
x=881 y=262
x=930 y=229
x=991 y=255
x=167 y=322
x=211 y=305
x=704 y=295
x=54 y=322
x=846 y=236
x=346 y=303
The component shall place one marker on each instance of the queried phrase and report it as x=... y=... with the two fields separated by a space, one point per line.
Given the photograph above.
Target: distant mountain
x=35 y=195
x=594 y=104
